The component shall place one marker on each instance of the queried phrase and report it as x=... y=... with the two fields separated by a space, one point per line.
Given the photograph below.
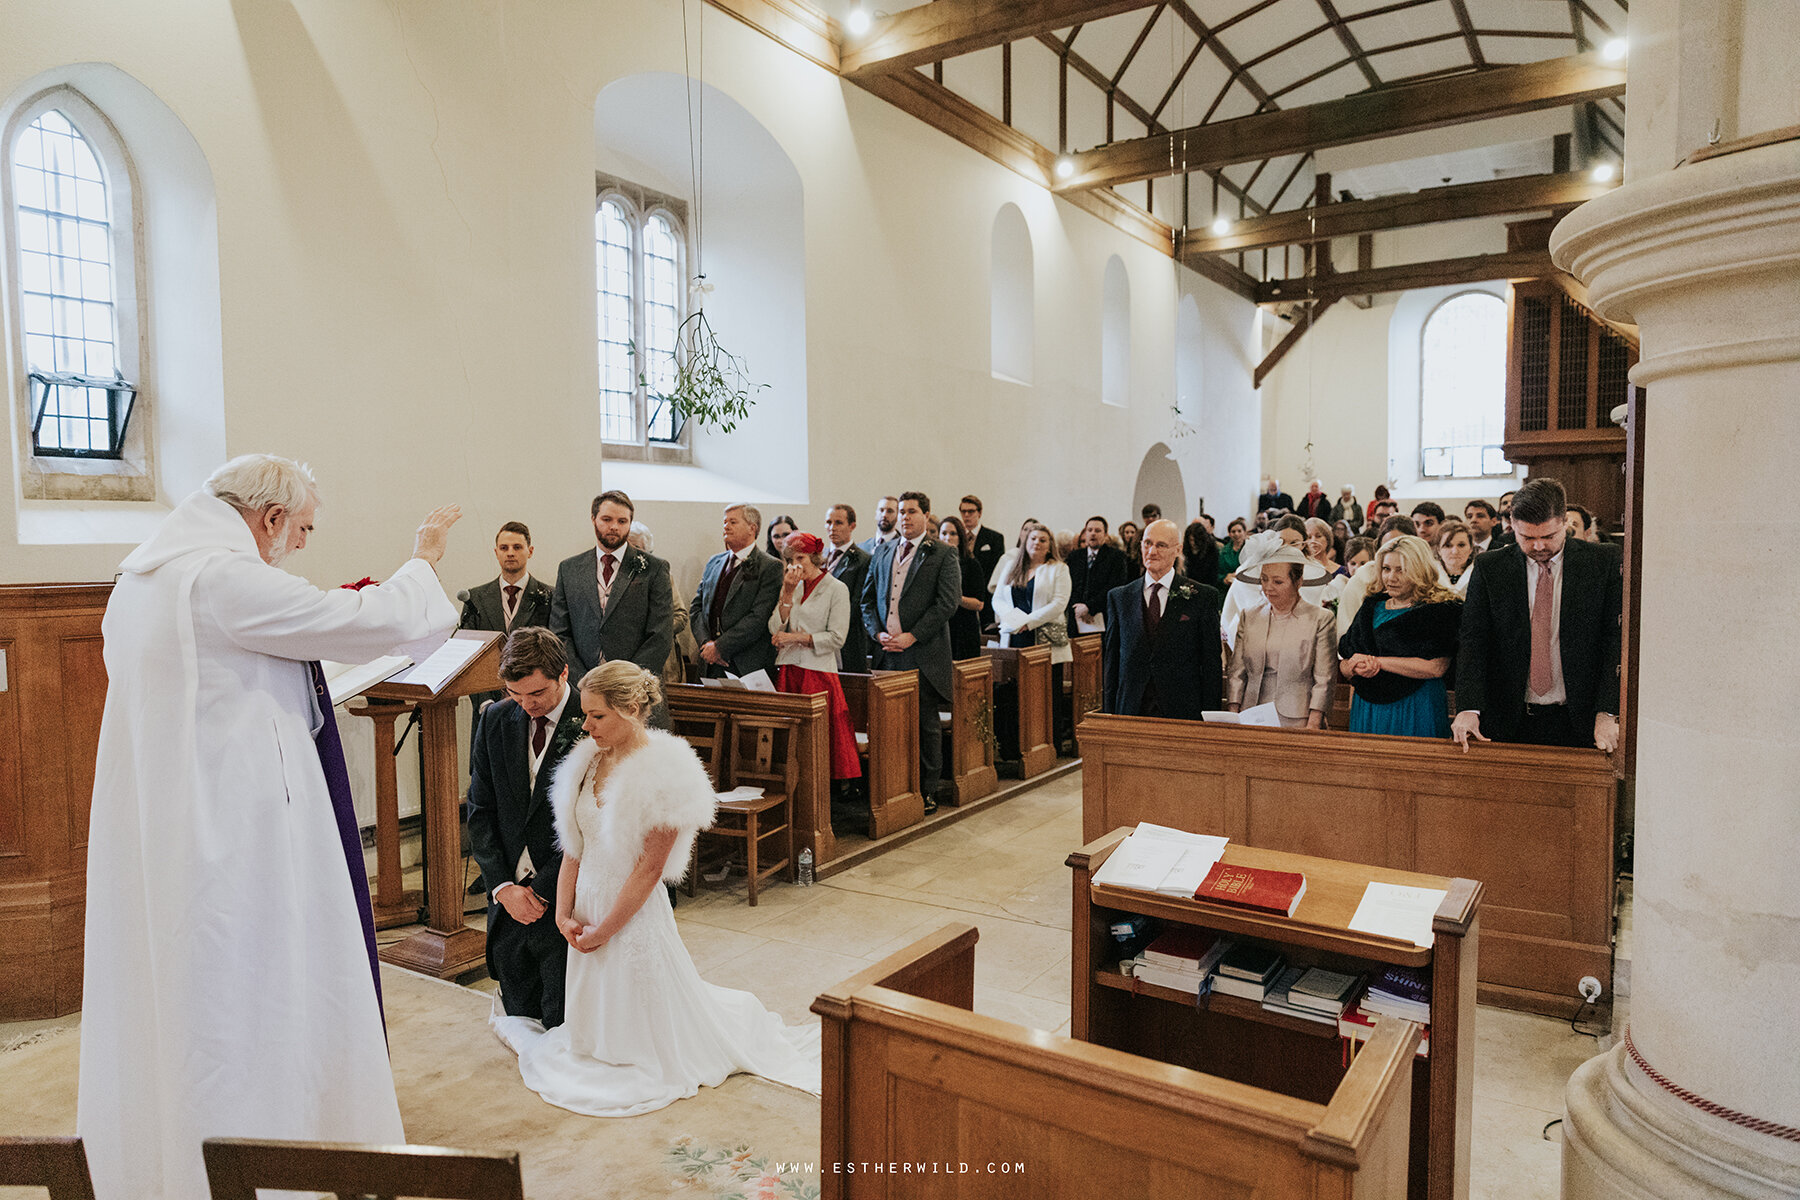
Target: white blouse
x=826 y=615
x=1050 y=593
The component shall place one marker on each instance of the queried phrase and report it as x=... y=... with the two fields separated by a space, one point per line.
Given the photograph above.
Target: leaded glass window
x=1462 y=389
x=640 y=272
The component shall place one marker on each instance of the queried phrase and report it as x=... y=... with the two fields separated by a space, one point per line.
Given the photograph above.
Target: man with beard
x=614 y=601
x=887 y=524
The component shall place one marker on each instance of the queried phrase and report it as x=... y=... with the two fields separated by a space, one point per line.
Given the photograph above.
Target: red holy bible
x=1253 y=887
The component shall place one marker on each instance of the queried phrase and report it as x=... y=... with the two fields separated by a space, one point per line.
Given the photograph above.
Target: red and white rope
x=1756 y=1124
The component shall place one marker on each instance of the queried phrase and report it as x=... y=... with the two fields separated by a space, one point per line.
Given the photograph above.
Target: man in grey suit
x=914 y=585
x=730 y=612
x=849 y=564
x=512 y=600
x=887 y=525
x=613 y=602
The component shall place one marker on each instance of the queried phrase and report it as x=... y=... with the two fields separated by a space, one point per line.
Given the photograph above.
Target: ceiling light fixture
x=1614 y=50
x=1221 y=226
x=1604 y=173
x=1065 y=167
x=859 y=21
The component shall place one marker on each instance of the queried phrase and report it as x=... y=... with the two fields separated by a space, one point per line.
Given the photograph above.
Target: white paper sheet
x=349 y=680
x=1157 y=858
x=1095 y=623
x=1397 y=911
x=758 y=681
x=1260 y=714
x=443 y=664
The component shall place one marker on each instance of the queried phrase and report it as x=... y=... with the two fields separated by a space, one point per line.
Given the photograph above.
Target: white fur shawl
x=662 y=785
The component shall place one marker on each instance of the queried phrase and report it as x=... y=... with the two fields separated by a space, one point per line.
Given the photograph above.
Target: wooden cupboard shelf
x=1217 y=1002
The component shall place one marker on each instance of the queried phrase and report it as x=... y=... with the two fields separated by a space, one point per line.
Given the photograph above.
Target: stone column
x=1702 y=1096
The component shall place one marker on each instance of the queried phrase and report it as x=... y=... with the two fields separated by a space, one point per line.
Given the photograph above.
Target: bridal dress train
x=641 y=1028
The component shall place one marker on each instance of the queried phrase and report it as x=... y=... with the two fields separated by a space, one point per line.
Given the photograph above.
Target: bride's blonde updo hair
x=623 y=685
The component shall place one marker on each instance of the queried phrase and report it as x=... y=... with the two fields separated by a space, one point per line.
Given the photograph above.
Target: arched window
x=1115 y=335
x=1011 y=297
x=639 y=260
x=1462 y=389
x=72 y=229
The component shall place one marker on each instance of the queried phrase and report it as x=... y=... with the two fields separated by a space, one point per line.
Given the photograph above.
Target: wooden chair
x=705 y=732
x=56 y=1164
x=237 y=1167
x=762 y=752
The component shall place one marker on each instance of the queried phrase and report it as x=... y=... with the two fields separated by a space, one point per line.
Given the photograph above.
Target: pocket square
x=1185 y=617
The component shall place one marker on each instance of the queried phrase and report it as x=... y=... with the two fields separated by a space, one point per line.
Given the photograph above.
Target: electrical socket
x=1590 y=989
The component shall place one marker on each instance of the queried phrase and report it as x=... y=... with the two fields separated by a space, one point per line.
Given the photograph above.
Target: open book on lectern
x=431 y=674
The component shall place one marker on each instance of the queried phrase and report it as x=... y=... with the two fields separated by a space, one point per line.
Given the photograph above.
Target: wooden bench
x=811 y=813
x=969 y=732
x=1533 y=823
x=242 y=1168
x=1027 y=672
x=884 y=711
x=1082 y=684
x=911 y=1075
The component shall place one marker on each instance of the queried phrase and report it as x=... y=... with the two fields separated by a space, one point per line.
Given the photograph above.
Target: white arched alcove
x=752 y=249
x=1188 y=360
x=1159 y=482
x=1013 y=301
x=1115 y=334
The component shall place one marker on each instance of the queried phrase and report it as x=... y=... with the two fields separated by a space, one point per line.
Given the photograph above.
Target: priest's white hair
x=253 y=482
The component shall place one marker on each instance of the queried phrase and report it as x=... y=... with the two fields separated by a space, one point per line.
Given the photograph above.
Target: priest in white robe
x=230 y=985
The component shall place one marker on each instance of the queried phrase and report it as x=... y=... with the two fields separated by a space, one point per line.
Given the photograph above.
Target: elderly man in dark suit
x=1162 y=648
x=914 y=585
x=738 y=591
x=1095 y=569
x=518 y=743
x=614 y=602
x=849 y=564
x=1539 y=661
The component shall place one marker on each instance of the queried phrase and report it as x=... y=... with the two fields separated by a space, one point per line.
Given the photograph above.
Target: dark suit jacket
x=852 y=570
x=1305 y=506
x=1494 y=664
x=743 y=633
x=989 y=548
x=484 y=609
x=638 y=624
x=508 y=814
x=1182 y=661
x=1090 y=586
x=1277 y=502
x=933 y=591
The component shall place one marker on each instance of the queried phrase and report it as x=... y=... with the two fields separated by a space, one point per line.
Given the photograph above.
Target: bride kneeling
x=641 y=1028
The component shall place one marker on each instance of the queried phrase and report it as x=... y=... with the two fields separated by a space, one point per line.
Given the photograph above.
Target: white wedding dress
x=641 y=1028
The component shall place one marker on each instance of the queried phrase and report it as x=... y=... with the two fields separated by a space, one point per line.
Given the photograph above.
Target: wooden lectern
x=447 y=946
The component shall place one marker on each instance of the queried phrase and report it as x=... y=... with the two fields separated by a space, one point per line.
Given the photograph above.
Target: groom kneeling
x=518 y=743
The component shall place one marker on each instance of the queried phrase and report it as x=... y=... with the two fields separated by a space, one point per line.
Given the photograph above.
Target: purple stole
x=343 y=807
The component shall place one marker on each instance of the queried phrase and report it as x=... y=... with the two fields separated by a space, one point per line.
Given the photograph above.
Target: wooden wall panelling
x=49 y=729
x=1534 y=824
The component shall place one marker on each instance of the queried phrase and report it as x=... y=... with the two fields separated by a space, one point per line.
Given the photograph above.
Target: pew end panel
x=1533 y=823
x=811 y=802
x=971 y=733
x=913 y=1080
x=1028 y=671
x=884 y=706
x=1084 y=682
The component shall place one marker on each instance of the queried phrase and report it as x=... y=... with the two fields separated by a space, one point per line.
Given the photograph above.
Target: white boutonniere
x=637 y=560
x=1182 y=591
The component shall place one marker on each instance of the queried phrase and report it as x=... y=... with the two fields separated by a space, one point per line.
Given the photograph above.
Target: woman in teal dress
x=1397 y=654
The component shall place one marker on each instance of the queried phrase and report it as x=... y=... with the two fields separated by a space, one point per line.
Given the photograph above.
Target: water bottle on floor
x=805 y=871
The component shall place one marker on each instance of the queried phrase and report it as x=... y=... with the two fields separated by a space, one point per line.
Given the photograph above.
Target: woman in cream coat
x=808 y=627
x=1286 y=648
x=1034 y=595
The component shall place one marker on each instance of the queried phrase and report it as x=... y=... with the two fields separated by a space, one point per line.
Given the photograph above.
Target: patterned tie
x=831 y=560
x=512 y=602
x=540 y=733
x=1543 y=675
x=1152 y=609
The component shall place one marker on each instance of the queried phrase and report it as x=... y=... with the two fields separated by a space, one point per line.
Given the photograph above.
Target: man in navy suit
x=1162 y=648
x=1539 y=661
x=914 y=585
x=518 y=743
x=730 y=612
x=1094 y=571
x=848 y=563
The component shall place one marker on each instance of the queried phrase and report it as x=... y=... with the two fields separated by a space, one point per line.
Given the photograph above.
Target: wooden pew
x=812 y=795
x=969 y=736
x=1533 y=823
x=1028 y=671
x=884 y=707
x=1081 y=679
x=910 y=1075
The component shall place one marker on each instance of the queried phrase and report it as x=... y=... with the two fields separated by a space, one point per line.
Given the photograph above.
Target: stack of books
x=1327 y=993
x=1247 y=970
x=1181 y=959
x=1397 y=992
x=1281 y=998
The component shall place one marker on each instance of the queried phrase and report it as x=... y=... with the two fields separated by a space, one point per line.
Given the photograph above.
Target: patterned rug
x=460 y=1087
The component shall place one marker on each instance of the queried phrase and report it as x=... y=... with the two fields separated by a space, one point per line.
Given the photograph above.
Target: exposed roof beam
x=1489 y=198
x=1521 y=264
x=1367 y=115
x=944 y=29
x=1302 y=323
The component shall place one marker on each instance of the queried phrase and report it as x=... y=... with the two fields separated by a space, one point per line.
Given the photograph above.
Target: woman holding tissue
x=808 y=627
x=1286 y=648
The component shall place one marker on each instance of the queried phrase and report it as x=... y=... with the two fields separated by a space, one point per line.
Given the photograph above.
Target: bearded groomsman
x=614 y=602
x=1162 y=649
x=848 y=563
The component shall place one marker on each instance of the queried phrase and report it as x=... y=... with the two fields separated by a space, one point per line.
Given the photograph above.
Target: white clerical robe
x=227 y=989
